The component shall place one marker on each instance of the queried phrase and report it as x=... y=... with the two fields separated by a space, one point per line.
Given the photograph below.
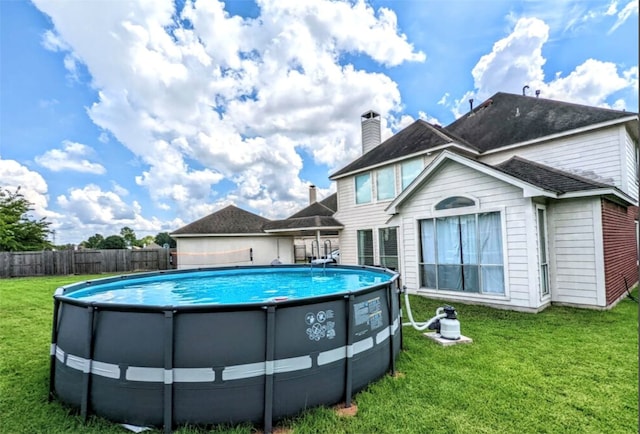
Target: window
x=543 y=251
x=462 y=253
x=388 y=242
x=454 y=202
x=410 y=170
x=365 y=247
x=363 y=188
x=385 y=184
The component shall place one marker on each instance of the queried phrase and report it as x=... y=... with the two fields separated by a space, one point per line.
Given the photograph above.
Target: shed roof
x=228 y=220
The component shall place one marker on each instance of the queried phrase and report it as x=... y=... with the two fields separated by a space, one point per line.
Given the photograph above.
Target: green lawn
x=560 y=371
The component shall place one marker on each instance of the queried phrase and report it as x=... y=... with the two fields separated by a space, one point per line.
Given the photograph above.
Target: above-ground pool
x=223 y=345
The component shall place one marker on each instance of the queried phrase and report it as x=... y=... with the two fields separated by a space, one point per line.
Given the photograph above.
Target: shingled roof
x=228 y=220
x=507 y=119
x=316 y=216
x=417 y=137
x=548 y=178
x=326 y=207
x=502 y=120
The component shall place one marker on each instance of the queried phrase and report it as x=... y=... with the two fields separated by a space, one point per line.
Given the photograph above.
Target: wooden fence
x=63 y=262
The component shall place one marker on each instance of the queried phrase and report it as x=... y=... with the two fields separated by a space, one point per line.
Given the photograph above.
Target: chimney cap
x=370 y=114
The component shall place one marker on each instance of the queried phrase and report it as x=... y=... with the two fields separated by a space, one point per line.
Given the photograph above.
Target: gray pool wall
x=221 y=364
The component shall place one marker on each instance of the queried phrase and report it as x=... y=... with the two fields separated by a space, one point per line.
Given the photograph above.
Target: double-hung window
x=365 y=247
x=410 y=170
x=388 y=243
x=363 y=188
x=385 y=184
x=462 y=253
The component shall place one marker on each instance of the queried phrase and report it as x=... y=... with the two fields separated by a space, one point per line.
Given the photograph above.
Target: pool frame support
x=52 y=355
x=270 y=349
x=86 y=376
x=168 y=372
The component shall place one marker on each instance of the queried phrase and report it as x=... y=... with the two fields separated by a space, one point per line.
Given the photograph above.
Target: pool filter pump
x=446 y=323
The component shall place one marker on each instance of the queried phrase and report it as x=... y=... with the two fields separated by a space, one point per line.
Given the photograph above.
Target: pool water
x=229 y=286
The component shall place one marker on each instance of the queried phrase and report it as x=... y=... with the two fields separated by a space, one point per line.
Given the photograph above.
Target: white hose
x=420 y=326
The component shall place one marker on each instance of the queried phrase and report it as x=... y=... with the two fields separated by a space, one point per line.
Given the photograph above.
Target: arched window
x=454 y=202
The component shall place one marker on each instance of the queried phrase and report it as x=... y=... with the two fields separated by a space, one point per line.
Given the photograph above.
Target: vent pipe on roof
x=471 y=105
x=313 y=198
x=537 y=93
x=370 y=122
x=524 y=89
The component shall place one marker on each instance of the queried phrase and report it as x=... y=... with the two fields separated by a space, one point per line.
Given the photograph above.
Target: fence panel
x=64 y=262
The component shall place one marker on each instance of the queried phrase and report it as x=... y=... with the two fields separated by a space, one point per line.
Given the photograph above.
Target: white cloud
x=627 y=11
x=234 y=96
x=90 y=210
x=32 y=185
x=517 y=60
x=71 y=157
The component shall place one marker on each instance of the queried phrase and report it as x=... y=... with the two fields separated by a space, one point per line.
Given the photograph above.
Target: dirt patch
x=343 y=411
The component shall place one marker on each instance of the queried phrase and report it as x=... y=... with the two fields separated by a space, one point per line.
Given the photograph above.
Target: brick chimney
x=370 y=130
x=312 y=194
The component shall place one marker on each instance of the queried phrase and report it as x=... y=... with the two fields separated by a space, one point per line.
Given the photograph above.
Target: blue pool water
x=229 y=286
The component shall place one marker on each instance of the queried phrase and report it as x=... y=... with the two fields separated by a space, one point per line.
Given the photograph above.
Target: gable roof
x=418 y=137
x=228 y=220
x=507 y=119
x=534 y=179
x=318 y=215
x=326 y=207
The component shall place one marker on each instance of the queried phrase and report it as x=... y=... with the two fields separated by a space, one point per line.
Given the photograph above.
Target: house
x=520 y=203
x=230 y=236
x=314 y=228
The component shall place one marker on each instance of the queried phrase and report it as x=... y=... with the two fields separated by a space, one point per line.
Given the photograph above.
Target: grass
x=560 y=371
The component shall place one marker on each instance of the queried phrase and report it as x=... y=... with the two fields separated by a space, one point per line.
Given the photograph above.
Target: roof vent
x=370 y=122
x=537 y=93
x=471 y=104
x=524 y=90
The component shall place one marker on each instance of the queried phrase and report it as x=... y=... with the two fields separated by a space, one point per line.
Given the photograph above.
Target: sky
x=152 y=114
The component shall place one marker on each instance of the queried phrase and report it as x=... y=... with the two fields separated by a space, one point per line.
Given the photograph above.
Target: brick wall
x=620 y=251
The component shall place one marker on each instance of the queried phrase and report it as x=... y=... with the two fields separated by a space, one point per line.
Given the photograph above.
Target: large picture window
x=462 y=253
x=365 y=247
x=363 y=188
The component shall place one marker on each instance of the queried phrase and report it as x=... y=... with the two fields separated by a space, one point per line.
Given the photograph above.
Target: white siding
x=493 y=195
x=364 y=216
x=232 y=250
x=630 y=175
x=595 y=155
x=575 y=244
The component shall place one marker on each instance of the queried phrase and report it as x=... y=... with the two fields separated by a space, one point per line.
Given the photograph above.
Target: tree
x=129 y=236
x=145 y=241
x=114 y=242
x=18 y=232
x=93 y=242
x=164 y=238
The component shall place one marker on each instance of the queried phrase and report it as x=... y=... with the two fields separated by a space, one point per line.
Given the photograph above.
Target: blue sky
x=151 y=114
